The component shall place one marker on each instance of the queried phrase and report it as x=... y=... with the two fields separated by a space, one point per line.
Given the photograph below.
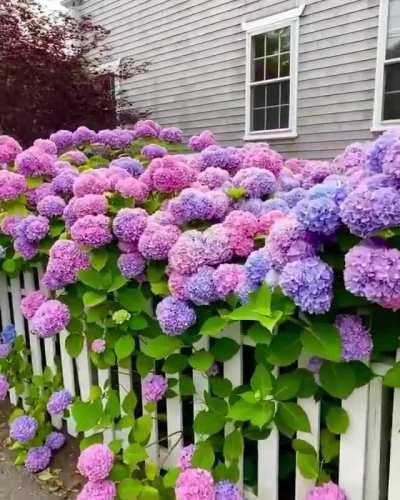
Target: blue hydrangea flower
x=8 y=335
x=318 y=215
x=257 y=266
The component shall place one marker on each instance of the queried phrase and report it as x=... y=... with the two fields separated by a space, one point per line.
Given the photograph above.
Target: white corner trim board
x=272 y=21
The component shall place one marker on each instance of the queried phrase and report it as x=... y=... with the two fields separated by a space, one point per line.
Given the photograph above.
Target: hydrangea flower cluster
x=23 y=428
x=59 y=402
x=154 y=387
x=328 y=491
x=95 y=464
x=195 y=484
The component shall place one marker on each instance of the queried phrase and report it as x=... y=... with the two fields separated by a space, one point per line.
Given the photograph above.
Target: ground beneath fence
x=60 y=481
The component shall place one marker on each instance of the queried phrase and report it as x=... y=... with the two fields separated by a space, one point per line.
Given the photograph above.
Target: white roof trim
x=282 y=17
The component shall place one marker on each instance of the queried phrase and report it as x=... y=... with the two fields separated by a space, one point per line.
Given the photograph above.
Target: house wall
x=197 y=74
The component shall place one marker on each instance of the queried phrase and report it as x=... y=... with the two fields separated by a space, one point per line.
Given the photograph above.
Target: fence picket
x=312 y=409
x=124 y=386
x=68 y=376
x=394 y=476
x=353 y=444
x=174 y=430
x=200 y=381
x=102 y=377
x=153 y=449
x=19 y=323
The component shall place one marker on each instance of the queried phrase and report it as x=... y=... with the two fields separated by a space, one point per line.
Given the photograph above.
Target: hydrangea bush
x=150 y=243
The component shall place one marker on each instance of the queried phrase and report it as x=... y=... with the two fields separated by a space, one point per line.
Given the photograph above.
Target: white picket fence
x=369 y=451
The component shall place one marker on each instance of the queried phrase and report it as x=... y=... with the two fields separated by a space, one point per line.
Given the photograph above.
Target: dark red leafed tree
x=52 y=73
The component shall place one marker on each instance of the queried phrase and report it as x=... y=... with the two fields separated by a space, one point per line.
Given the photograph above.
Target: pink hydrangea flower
x=194 y=484
x=95 y=462
x=98 y=490
x=328 y=491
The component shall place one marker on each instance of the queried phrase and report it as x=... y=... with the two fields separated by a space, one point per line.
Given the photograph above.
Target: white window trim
x=378 y=124
x=290 y=18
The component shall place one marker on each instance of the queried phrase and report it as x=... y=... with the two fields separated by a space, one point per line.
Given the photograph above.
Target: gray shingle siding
x=197 y=74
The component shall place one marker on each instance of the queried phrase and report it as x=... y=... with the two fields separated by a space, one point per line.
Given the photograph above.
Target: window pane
x=258 y=70
x=393 y=40
x=285 y=92
x=259 y=96
x=284 y=110
x=273 y=94
x=272 y=42
x=271 y=70
x=259 y=119
x=285 y=40
x=392 y=106
x=285 y=65
x=259 y=49
x=272 y=118
x=392 y=77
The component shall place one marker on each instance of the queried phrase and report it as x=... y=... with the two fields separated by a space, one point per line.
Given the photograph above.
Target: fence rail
x=369 y=451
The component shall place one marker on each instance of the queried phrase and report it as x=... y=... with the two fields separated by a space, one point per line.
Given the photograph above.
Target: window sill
x=381 y=127
x=278 y=135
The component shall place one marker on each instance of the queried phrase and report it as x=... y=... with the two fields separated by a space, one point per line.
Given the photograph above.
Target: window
x=387 y=86
x=271 y=76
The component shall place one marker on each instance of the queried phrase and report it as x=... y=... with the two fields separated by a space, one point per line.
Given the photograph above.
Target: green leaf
x=261 y=381
x=91 y=278
x=284 y=348
x=293 y=416
x=322 y=340
x=129 y=488
x=186 y=386
x=142 y=429
x=134 y=454
x=151 y=470
x=337 y=420
x=86 y=415
x=221 y=387
x=160 y=347
x=308 y=465
x=92 y=299
x=124 y=346
x=129 y=403
x=144 y=364
x=287 y=385
x=213 y=326
x=132 y=299
x=201 y=360
x=330 y=446
x=241 y=410
x=303 y=447
x=149 y=493
x=175 y=363
x=207 y=423
x=159 y=288
x=21 y=457
x=262 y=413
x=337 y=379
x=233 y=446
x=126 y=422
x=74 y=345
x=118 y=282
x=115 y=445
x=169 y=480
x=392 y=376
x=224 y=349
x=155 y=270
x=259 y=334
x=119 y=472
x=98 y=258
x=93 y=439
x=362 y=372
x=203 y=456
x=138 y=323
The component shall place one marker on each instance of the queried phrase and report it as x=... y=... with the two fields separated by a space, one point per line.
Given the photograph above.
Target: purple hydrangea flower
x=10 y=223
x=51 y=206
x=50 y=318
x=90 y=204
x=46 y=145
x=328 y=491
x=256 y=181
x=175 y=316
x=90 y=182
x=365 y=212
x=11 y=185
x=195 y=484
x=377 y=152
x=63 y=139
x=213 y=177
x=9 y=334
x=66 y=260
x=356 y=339
x=293 y=196
x=92 y=230
x=215 y=156
x=227 y=278
x=309 y=283
x=9 y=149
x=132 y=166
x=25 y=248
x=254 y=206
x=23 y=428
x=151 y=151
x=193 y=204
x=318 y=215
x=225 y=490
x=275 y=204
x=63 y=182
x=98 y=345
x=84 y=135
x=129 y=224
x=75 y=157
x=147 y=128
x=34 y=196
x=391 y=161
x=59 y=402
x=200 y=286
x=131 y=264
x=55 y=440
x=202 y=141
x=98 y=490
x=154 y=387
x=5 y=350
x=187 y=255
x=186 y=455
x=38 y=459
x=157 y=240
x=372 y=270
x=34 y=162
x=33 y=228
x=256 y=267
x=4 y=387
x=95 y=462
x=115 y=139
x=177 y=285
x=171 y=134
x=314 y=364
